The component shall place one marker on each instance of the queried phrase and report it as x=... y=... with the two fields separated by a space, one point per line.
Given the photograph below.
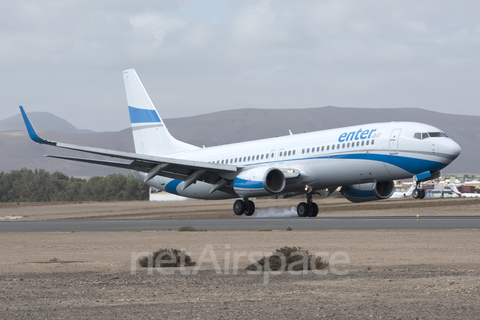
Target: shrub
x=182 y=259
x=187 y=228
x=291 y=255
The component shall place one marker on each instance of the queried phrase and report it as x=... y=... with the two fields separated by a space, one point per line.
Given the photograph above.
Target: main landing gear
x=307 y=209
x=418 y=192
x=244 y=206
x=304 y=209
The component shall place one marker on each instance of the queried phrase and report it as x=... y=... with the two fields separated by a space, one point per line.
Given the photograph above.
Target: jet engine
x=259 y=181
x=368 y=191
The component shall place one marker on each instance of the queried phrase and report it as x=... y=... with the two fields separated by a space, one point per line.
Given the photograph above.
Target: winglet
x=31 y=130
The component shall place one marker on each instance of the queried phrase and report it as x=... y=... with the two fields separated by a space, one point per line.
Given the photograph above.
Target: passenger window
x=266 y=155
x=248 y=158
x=308 y=150
x=363 y=143
x=368 y=142
x=358 y=143
x=318 y=149
x=273 y=155
x=373 y=141
x=333 y=147
x=343 y=146
x=222 y=161
x=328 y=147
x=244 y=159
x=289 y=153
x=303 y=151
x=293 y=153
x=257 y=156
x=323 y=148
x=280 y=154
x=338 y=146
x=261 y=156
x=348 y=145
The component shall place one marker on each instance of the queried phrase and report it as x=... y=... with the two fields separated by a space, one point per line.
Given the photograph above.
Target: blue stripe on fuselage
x=412 y=165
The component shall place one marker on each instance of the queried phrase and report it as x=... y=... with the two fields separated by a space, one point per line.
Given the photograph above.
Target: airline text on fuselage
x=358 y=135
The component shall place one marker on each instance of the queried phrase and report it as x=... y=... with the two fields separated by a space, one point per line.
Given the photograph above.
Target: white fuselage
x=329 y=158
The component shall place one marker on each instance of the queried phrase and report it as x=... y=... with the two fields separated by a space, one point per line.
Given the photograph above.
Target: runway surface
x=246 y=224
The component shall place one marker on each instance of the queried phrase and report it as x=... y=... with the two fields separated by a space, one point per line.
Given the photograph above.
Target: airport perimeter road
x=246 y=224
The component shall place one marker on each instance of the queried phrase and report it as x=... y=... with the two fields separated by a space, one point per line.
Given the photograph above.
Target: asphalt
x=246 y=224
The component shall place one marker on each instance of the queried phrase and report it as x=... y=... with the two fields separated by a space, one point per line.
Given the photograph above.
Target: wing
x=184 y=170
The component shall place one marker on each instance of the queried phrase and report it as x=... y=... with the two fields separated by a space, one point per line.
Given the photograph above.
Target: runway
x=247 y=224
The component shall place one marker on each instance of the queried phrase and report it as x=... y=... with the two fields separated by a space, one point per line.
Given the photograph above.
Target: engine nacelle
x=368 y=191
x=259 y=181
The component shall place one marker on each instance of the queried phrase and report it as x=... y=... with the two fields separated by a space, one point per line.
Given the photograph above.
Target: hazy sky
x=195 y=57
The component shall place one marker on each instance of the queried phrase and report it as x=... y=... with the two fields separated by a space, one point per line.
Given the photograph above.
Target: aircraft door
x=394 y=137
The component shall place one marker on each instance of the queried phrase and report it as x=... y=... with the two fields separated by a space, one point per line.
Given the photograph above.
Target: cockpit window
x=437 y=134
x=425 y=135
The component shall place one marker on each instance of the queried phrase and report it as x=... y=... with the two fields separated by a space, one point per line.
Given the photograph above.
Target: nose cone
x=451 y=148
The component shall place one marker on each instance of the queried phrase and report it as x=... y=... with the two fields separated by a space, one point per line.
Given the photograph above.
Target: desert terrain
x=394 y=274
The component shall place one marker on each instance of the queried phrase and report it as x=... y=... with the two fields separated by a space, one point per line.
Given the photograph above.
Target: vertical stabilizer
x=150 y=135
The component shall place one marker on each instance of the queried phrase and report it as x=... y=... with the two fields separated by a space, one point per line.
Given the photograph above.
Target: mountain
x=43 y=121
x=227 y=127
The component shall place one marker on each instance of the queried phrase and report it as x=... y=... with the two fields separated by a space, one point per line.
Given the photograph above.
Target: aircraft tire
x=250 y=210
x=238 y=207
x=313 y=210
x=302 y=209
x=416 y=193
x=422 y=194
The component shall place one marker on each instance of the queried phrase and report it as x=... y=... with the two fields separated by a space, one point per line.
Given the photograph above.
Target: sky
x=202 y=56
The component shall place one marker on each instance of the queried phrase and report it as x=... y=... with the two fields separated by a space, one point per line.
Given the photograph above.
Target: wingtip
x=31 y=130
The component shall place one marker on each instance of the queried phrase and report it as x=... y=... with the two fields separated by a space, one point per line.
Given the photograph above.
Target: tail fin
x=150 y=135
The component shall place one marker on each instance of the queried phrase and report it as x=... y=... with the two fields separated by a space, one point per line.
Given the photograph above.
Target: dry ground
x=337 y=207
x=431 y=274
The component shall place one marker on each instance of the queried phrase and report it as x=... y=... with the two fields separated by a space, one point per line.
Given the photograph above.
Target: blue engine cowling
x=368 y=191
x=259 y=181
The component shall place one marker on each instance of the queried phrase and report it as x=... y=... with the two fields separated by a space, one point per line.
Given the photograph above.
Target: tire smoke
x=273 y=212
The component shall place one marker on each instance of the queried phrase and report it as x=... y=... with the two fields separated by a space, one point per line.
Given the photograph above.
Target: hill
x=233 y=126
x=43 y=121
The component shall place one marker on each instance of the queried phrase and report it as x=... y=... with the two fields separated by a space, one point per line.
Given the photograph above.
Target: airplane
x=453 y=187
x=363 y=160
x=405 y=194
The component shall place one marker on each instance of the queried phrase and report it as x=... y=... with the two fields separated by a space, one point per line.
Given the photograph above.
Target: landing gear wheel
x=250 y=208
x=416 y=193
x=422 y=193
x=313 y=210
x=238 y=207
x=302 y=209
